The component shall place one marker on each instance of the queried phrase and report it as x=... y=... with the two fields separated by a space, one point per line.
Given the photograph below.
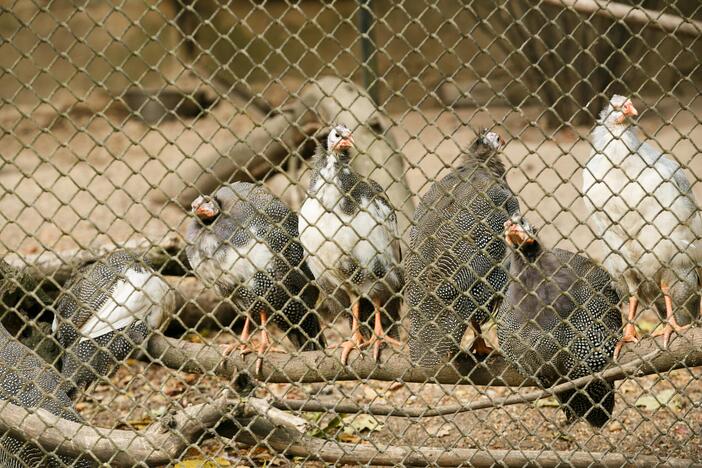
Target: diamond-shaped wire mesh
x=352 y=232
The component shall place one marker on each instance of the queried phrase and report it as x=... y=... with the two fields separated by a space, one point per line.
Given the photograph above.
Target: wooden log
x=633 y=14
x=250 y=158
x=325 y=366
x=167 y=256
x=262 y=434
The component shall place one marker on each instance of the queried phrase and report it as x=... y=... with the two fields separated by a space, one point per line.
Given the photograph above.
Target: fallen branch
x=617 y=373
x=325 y=366
x=158 y=444
x=166 y=256
x=263 y=435
x=632 y=14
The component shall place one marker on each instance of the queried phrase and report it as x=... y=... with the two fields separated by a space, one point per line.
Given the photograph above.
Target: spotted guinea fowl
x=107 y=309
x=560 y=320
x=245 y=241
x=454 y=266
x=642 y=205
x=27 y=380
x=349 y=230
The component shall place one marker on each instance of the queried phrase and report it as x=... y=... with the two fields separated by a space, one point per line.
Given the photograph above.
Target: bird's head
x=487 y=143
x=339 y=140
x=518 y=232
x=206 y=208
x=618 y=111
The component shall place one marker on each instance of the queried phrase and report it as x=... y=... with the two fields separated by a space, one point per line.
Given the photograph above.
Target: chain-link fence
x=259 y=233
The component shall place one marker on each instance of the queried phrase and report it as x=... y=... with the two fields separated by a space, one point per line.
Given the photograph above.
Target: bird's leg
x=671 y=324
x=243 y=345
x=630 y=333
x=379 y=336
x=265 y=345
x=479 y=346
x=357 y=340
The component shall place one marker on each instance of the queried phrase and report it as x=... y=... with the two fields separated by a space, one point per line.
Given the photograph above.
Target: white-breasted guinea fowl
x=349 y=230
x=107 y=309
x=559 y=321
x=642 y=206
x=455 y=272
x=29 y=381
x=245 y=242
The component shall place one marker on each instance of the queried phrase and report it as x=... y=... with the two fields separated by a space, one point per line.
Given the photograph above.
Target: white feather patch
x=137 y=297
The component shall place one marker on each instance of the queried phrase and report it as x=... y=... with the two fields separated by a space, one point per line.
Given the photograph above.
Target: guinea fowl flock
x=472 y=257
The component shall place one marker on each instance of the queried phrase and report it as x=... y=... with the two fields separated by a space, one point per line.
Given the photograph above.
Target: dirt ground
x=90 y=179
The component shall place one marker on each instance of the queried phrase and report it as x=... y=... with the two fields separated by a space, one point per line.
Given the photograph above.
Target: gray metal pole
x=369 y=56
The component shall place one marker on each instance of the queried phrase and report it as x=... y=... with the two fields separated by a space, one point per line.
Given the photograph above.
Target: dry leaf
x=203 y=463
x=549 y=402
x=357 y=423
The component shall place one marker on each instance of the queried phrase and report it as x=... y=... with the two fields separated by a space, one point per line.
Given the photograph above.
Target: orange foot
x=630 y=336
x=356 y=342
x=668 y=330
x=377 y=342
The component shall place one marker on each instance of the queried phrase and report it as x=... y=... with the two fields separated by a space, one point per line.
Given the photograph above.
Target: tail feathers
x=594 y=403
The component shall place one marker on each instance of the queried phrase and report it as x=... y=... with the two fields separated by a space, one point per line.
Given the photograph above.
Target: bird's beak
x=345 y=143
x=629 y=110
x=204 y=210
x=516 y=236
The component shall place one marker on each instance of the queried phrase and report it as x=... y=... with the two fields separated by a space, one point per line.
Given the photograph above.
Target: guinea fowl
x=454 y=267
x=643 y=208
x=245 y=242
x=349 y=230
x=560 y=320
x=27 y=380
x=107 y=309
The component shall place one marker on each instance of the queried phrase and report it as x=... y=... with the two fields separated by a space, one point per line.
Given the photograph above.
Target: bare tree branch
x=159 y=444
x=294 y=444
x=616 y=373
x=632 y=14
x=325 y=366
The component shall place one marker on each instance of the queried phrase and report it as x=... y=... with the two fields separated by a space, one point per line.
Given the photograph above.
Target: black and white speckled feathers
x=454 y=268
x=560 y=320
x=250 y=251
x=349 y=230
x=107 y=309
x=27 y=380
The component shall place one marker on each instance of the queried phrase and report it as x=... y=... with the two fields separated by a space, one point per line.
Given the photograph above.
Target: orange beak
x=345 y=143
x=629 y=110
x=204 y=209
x=515 y=235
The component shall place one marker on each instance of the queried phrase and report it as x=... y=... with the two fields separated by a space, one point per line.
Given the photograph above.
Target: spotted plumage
x=455 y=263
x=245 y=242
x=106 y=310
x=27 y=380
x=349 y=230
x=560 y=320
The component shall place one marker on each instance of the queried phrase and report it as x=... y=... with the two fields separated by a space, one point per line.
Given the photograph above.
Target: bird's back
x=454 y=266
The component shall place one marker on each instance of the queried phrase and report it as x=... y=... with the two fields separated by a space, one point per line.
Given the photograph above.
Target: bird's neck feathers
x=328 y=166
x=527 y=252
x=618 y=139
x=488 y=160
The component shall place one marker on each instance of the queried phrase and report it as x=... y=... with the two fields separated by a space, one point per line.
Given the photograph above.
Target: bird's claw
x=668 y=331
x=228 y=349
x=377 y=342
x=356 y=342
x=630 y=336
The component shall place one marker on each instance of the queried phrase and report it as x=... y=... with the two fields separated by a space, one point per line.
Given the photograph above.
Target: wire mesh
x=259 y=233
